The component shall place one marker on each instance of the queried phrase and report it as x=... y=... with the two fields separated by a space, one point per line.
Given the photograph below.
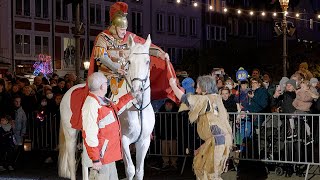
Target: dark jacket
x=230 y=104
x=6 y=139
x=260 y=101
x=284 y=101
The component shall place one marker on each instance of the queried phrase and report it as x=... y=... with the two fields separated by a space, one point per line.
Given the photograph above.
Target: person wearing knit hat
x=313 y=85
x=314 y=82
x=282 y=84
x=188 y=85
x=283 y=102
x=292 y=83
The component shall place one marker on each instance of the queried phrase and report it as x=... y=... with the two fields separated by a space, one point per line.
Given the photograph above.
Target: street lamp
x=284 y=5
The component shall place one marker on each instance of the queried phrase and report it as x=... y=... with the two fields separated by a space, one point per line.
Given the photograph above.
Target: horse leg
x=141 y=148
x=85 y=173
x=127 y=158
x=71 y=147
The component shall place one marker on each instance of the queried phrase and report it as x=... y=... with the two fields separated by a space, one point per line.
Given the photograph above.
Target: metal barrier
x=43 y=131
x=269 y=137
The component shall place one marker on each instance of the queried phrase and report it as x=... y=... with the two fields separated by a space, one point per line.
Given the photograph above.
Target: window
x=18 y=44
x=235 y=27
x=26 y=44
x=41 y=45
x=208 y=32
x=95 y=14
x=69 y=53
x=218 y=34
x=223 y=34
x=223 y=5
x=22 y=44
x=61 y=10
x=23 y=7
x=213 y=33
x=41 y=8
x=171 y=24
x=38 y=43
x=107 y=15
x=160 y=22
x=172 y=54
x=230 y=26
x=183 y=25
x=136 y=23
x=193 y=27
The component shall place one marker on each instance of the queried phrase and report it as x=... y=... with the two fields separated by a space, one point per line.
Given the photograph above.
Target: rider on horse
x=111 y=46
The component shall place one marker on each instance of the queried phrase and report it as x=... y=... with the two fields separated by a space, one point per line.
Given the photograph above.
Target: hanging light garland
x=252 y=13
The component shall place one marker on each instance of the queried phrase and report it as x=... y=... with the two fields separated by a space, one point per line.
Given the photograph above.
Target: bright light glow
x=297 y=15
x=178 y=1
x=263 y=13
x=210 y=7
x=86 y=65
x=319 y=16
x=239 y=11
x=226 y=10
x=274 y=14
x=251 y=13
x=286 y=13
x=195 y=4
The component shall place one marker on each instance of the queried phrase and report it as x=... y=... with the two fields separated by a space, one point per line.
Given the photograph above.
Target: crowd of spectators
x=259 y=93
x=22 y=101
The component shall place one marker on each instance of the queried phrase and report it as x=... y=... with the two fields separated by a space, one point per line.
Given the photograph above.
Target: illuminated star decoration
x=43 y=65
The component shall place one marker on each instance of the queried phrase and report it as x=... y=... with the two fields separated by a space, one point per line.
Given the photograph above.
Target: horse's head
x=139 y=67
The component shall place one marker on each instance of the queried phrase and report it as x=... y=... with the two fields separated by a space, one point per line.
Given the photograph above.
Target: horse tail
x=63 y=169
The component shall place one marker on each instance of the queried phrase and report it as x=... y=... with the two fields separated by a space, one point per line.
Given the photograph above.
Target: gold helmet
x=118 y=14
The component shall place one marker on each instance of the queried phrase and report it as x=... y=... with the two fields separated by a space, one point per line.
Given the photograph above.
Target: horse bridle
x=143 y=81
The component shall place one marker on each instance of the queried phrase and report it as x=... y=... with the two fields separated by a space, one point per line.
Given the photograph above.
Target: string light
x=195 y=4
x=226 y=10
x=251 y=12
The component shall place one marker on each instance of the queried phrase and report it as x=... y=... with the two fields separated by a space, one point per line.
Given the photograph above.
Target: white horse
x=137 y=122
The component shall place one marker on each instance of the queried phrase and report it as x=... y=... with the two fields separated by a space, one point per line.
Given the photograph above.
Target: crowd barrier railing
x=269 y=137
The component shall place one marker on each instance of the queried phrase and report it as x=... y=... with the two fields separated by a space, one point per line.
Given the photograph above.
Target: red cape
x=159 y=77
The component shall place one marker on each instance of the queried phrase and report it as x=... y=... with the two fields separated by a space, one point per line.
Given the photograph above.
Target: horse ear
x=148 y=41
x=131 y=41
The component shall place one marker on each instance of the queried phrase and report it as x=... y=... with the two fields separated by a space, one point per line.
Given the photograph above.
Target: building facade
x=29 y=28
